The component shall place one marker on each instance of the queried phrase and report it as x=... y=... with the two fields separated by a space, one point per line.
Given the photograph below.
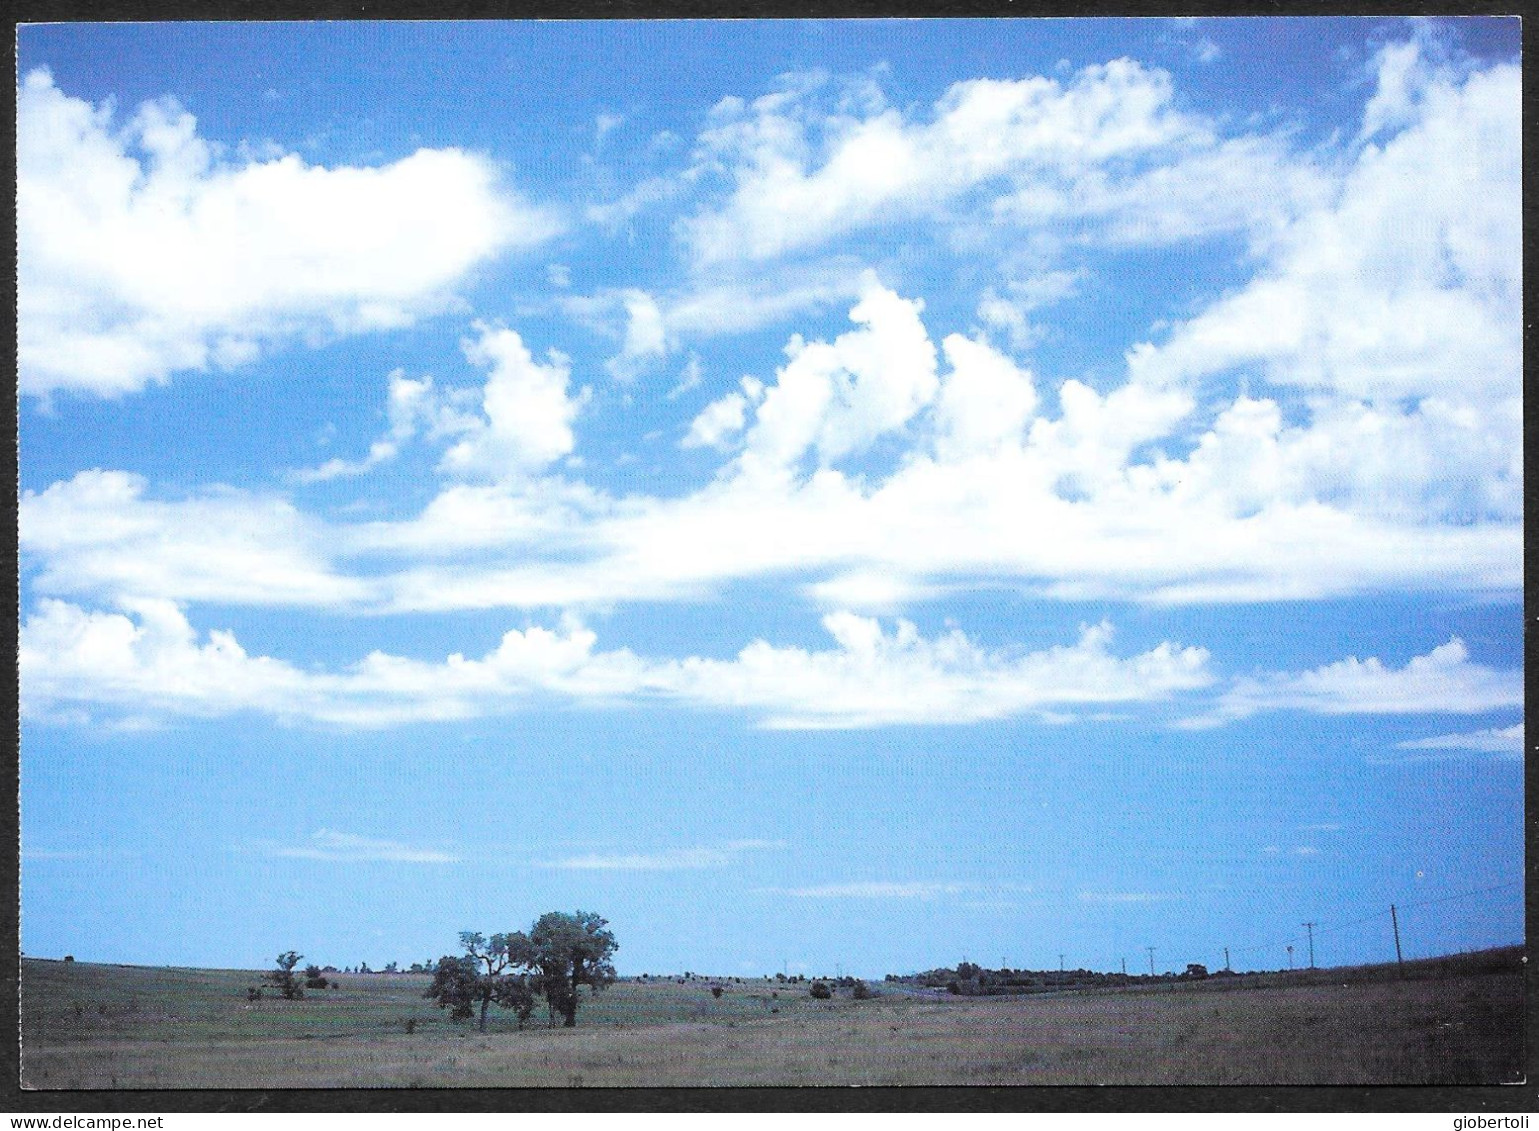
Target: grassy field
x=94 y=1026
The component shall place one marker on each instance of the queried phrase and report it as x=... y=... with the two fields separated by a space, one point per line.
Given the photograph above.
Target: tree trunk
x=486 y=1000
x=569 y=1007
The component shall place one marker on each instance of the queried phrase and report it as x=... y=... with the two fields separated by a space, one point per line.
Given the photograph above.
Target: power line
x=1463 y=895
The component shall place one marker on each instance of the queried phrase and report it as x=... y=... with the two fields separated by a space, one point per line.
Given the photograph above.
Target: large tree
x=283 y=978
x=485 y=974
x=569 y=951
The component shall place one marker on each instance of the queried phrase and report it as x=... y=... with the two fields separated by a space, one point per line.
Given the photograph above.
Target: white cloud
x=838 y=397
x=409 y=400
x=728 y=305
x=1079 y=505
x=1423 y=246
x=718 y=423
x=1442 y=681
x=1378 y=445
x=528 y=412
x=148 y=660
x=349 y=848
x=1496 y=740
x=142 y=251
x=876 y=165
x=984 y=404
x=645 y=337
x=665 y=860
x=629 y=315
x=690 y=377
x=98 y=533
x=1129 y=896
x=1401 y=77
x=876 y=678
x=881 y=889
x=147 y=663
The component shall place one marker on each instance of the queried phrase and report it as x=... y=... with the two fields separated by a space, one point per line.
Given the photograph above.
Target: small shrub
x=253 y=993
x=336 y=985
x=411 y=1025
x=716 y=991
x=69 y=958
x=860 y=991
x=820 y=991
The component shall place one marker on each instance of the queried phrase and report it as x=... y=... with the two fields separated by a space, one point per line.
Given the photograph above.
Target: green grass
x=96 y=1026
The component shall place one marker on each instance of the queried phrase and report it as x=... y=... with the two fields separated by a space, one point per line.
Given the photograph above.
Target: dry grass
x=166 y=1029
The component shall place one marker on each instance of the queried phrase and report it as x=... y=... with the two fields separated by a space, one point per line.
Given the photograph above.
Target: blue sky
x=820 y=494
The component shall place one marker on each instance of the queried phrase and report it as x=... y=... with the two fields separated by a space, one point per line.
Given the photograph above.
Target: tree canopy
x=484 y=974
x=558 y=956
x=571 y=951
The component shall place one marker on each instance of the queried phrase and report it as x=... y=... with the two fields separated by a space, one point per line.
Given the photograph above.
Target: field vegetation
x=1448 y=1021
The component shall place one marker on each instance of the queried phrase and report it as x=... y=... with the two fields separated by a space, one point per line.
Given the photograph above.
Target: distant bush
x=717 y=991
x=69 y=958
x=411 y=1025
x=860 y=991
x=253 y=993
x=820 y=991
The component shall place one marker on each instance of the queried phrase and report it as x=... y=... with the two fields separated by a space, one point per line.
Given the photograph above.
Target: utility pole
x=1150 y=949
x=1124 y=967
x=1395 y=922
x=1226 y=959
x=1311 y=928
x=1060 y=967
x=1290 y=956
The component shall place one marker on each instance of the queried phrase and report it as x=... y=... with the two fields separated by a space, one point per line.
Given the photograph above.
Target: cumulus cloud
x=1423 y=245
x=876 y=678
x=836 y=398
x=987 y=488
x=527 y=409
x=143 y=250
x=148 y=660
x=1376 y=445
x=720 y=421
x=1443 y=680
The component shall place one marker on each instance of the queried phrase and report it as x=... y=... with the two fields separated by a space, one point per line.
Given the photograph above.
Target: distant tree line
x=968 y=979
